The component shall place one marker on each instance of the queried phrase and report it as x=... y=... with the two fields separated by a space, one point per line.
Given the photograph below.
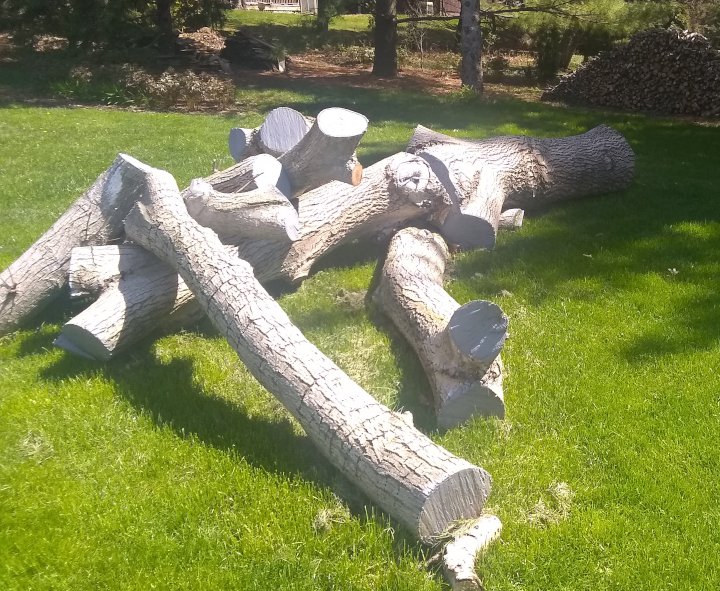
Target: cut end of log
x=478 y=331
x=468 y=231
x=77 y=340
x=238 y=142
x=282 y=130
x=338 y=122
x=462 y=495
x=356 y=174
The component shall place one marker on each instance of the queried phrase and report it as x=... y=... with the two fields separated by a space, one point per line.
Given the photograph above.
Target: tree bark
x=138 y=294
x=471 y=74
x=164 y=22
x=484 y=176
x=39 y=275
x=385 y=36
x=327 y=152
x=458 y=346
x=262 y=213
x=460 y=554
x=417 y=482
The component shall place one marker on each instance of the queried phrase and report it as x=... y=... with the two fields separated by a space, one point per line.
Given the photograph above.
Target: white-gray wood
x=511 y=219
x=256 y=172
x=458 y=346
x=485 y=176
x=243 y=143
x=260 y=213
x=282 y=129
x=417 y=482
x=459 y=555
x=39 y=274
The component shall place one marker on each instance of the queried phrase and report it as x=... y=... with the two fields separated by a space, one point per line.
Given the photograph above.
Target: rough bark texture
x=262 y=213
x=327 y=152
x=484 y=176
x=459 y=555
x=417 y=482
x=471 y=46
x=459 y=346
x=138 y=294
x=256 y=172
x=385 y=36
x=38 y=276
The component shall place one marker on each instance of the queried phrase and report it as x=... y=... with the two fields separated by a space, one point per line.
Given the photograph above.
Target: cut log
x=484 y=176
x=39 y=275
x=460 y=554
x=256 y=172
x=511 y=219
x=393 y=192
x=327 y=151
x=262 y=213
x=137 y=296
x=246 y=51
x=281 y=131
x=243 y=143
x=458 y=346
x=417 y=482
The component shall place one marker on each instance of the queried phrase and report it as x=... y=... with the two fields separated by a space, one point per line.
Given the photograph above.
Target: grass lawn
x=171 y=468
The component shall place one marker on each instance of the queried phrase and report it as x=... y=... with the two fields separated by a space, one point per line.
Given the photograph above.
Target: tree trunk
x=459 y=346
x=471 y=74
x=460 y=554
x=164 y=22
x=417 y=482
x=482 y=177
x=262 y=213
x=38 y=276
x=385 y=35
x=137 y=296
x=393 y=191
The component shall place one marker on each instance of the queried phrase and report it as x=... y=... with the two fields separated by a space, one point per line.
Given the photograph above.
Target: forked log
x=131 y=284
x=393 y=192
x=261 y=213
x=417 y=482
x=257 y=172
x=458 y=346
x=483 y=176
x=39 y=275
x=327 y=152
x=459 y=555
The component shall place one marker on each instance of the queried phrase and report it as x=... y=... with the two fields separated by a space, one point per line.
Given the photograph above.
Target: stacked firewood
x=661 y=71
x=151 y=255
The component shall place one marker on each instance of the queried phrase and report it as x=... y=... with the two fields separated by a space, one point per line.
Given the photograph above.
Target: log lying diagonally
x=458 y=556
x=39 y=275
x=458 y=346
x=257 y=172
x=417 y=482
x=484 y=176
x=129 y=283
x=393 y=192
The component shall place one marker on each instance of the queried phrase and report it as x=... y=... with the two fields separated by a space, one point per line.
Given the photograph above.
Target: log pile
x=246 y=51
x=151 y=255
x=660 y=71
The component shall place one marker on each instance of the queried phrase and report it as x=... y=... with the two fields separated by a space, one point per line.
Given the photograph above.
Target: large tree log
x=484 y=176
x=393 y=192
x=458 y=346
x=262 y=213
x=417 y=482
x=34 y=279
x=131 y=284
x=327 y=151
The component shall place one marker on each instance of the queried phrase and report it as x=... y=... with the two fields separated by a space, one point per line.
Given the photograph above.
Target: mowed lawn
x=171 y=468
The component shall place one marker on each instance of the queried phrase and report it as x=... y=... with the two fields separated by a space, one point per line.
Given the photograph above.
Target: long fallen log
x=393 y=192
x=38 y=275
x=485 y=176
x=417 y=482
x=458 y=346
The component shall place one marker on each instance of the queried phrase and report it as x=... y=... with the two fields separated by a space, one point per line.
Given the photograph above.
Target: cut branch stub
x=37 y=276
x=484 y=176
x=417 y=482
x=458 y=346
x=261 y=213
x=257 y=172
x=327 y=151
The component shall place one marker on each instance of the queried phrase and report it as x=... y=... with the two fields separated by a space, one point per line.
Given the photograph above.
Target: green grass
x=171 y=468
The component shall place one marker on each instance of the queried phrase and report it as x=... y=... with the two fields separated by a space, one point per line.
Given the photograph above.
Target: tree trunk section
x=256 y=172
x=38 y=276
x=262 y=213
x=417 y=482
x=458 y=346
x=386 y=38
x=485 y=176
x=471 y=74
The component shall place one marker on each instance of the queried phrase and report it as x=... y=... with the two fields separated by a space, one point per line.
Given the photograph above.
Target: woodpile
x=246 y=51
x=660 y=71
x=151 y=255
